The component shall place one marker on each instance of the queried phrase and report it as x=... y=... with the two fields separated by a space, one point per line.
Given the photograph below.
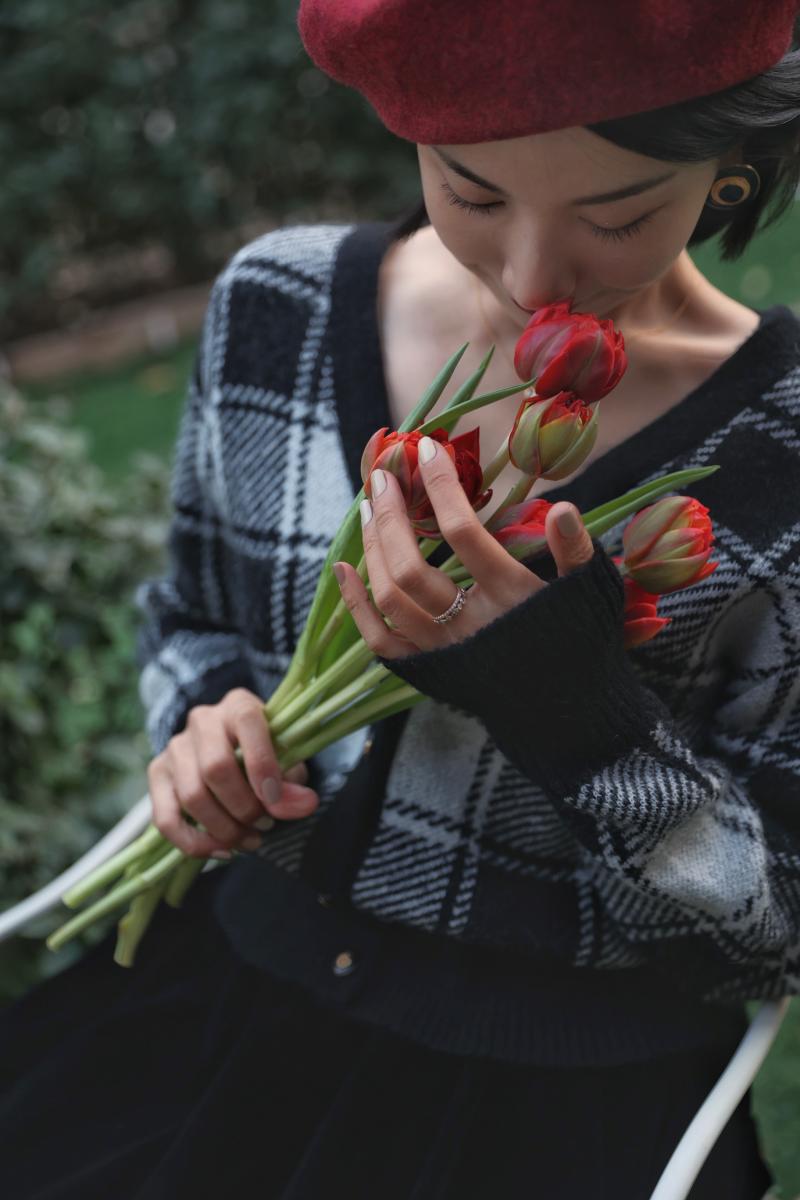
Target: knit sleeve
x=694 y=841
x=187 y=650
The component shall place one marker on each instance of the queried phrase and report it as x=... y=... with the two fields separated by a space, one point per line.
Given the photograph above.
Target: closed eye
x=601 y=231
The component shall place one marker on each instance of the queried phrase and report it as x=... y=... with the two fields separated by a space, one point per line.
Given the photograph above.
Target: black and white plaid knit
x=557 y=797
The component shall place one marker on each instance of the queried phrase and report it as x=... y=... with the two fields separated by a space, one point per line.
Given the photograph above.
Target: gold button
x=344 y=963
x=367 y=747
x=324 y=899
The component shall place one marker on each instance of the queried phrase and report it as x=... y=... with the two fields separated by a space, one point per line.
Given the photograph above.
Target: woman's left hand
x=410 y=592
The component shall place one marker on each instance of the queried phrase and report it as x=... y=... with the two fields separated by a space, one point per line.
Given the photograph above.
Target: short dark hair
x=762 y=115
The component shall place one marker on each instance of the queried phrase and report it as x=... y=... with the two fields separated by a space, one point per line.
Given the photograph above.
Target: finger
x=169 y=818
x=389 y=600
x=567 y=537
x=381 y=640
x=429 y=588
x=214 y=739
x=244 y=725
x=296 y=799
x=196 y=798
x=295 y=802
x=487 y=562
x=296 y=774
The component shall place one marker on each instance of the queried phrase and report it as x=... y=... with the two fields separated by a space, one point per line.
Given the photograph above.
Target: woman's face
x=543 y=232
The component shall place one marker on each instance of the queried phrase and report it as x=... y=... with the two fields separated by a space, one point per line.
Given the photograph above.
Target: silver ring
x=454 y=609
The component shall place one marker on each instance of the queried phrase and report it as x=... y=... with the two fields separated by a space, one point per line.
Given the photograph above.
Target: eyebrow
x=632 y=189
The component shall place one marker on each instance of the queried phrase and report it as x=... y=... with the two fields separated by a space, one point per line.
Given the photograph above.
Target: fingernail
x=251 y=843
x=223 y=854
x=426 y=449
x=264 y=823
x=378 y=482
x=339 y=573
x=271 y=791
x=366 y=512
x=568 y=522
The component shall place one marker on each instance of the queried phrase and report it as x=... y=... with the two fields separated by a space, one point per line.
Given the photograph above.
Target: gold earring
x=732 y=186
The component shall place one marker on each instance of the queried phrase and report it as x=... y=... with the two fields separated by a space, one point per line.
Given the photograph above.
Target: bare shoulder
x=421 y=287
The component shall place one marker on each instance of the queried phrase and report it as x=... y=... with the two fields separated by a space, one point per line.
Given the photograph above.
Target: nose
x=534 y=277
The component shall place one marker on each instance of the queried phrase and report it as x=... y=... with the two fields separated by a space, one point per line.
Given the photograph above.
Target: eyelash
x=617 y=235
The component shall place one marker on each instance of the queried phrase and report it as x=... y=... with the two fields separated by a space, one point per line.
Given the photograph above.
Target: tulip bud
x=570 y=352
x=642 y=621
x=521 y=528
x=397 y=454
x=551 y=438
x=667 y=545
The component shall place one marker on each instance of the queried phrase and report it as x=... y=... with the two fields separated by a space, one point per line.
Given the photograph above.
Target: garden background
x=143 y=142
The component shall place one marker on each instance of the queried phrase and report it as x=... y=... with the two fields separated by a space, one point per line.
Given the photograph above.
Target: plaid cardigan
x=663 y=852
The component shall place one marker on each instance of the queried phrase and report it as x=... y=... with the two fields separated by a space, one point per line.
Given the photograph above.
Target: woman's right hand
x=198 y=774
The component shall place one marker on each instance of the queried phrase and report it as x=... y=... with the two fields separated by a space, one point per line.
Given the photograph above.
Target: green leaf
x=606 y=516
x=450 y=416
x=433 y=393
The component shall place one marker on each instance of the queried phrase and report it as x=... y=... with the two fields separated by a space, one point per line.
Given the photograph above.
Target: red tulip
x=397 y=453
x=570 y=352
x=667 y=545
x=550 y=438
x=642 y=621
x=521 y=527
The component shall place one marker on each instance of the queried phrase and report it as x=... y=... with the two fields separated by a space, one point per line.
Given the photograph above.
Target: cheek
x=641 y=260
x=470 y=238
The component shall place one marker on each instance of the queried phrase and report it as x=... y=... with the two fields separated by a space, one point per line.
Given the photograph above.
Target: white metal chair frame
x=703 y=1130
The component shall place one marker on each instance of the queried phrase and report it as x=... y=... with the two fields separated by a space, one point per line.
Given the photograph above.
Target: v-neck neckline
x=363 y=402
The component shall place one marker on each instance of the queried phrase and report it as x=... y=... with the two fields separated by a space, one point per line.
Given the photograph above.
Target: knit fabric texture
x=547 y=66
x=554 y=795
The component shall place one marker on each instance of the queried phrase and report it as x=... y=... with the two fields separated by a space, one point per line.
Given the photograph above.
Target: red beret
x=460 y=71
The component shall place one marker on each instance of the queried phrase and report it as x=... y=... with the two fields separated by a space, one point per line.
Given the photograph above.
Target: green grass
x=138 y=407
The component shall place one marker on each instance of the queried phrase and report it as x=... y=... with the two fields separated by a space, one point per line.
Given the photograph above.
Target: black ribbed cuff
x=550 y=678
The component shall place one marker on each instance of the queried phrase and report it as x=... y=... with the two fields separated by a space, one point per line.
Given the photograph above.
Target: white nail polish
x=366 y=512
x=426 y=449
x=378 y=482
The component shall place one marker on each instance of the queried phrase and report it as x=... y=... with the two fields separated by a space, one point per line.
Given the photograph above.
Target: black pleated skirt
x=195 y=1075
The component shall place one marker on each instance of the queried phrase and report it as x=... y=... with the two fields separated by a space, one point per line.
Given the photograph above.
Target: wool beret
x=461 y=71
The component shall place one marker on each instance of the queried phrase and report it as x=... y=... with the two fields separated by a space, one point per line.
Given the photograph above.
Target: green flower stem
x=181 y=880
x=382 y=703
x=497 y=464
x=280 y=699
x=332 y=627
x=355 y=658
x=288 y=687
x=115 y=899
x=149 y=840
x=133 y=925
x=146 y=860
x=306 y=725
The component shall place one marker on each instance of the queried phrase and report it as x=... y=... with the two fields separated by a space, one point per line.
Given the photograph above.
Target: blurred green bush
x=72 y=552
x=140 y=138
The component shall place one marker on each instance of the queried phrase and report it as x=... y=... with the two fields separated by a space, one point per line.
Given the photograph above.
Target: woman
x=501 y=947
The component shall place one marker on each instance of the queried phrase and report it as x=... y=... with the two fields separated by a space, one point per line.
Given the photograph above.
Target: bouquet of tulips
x=334 y=685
